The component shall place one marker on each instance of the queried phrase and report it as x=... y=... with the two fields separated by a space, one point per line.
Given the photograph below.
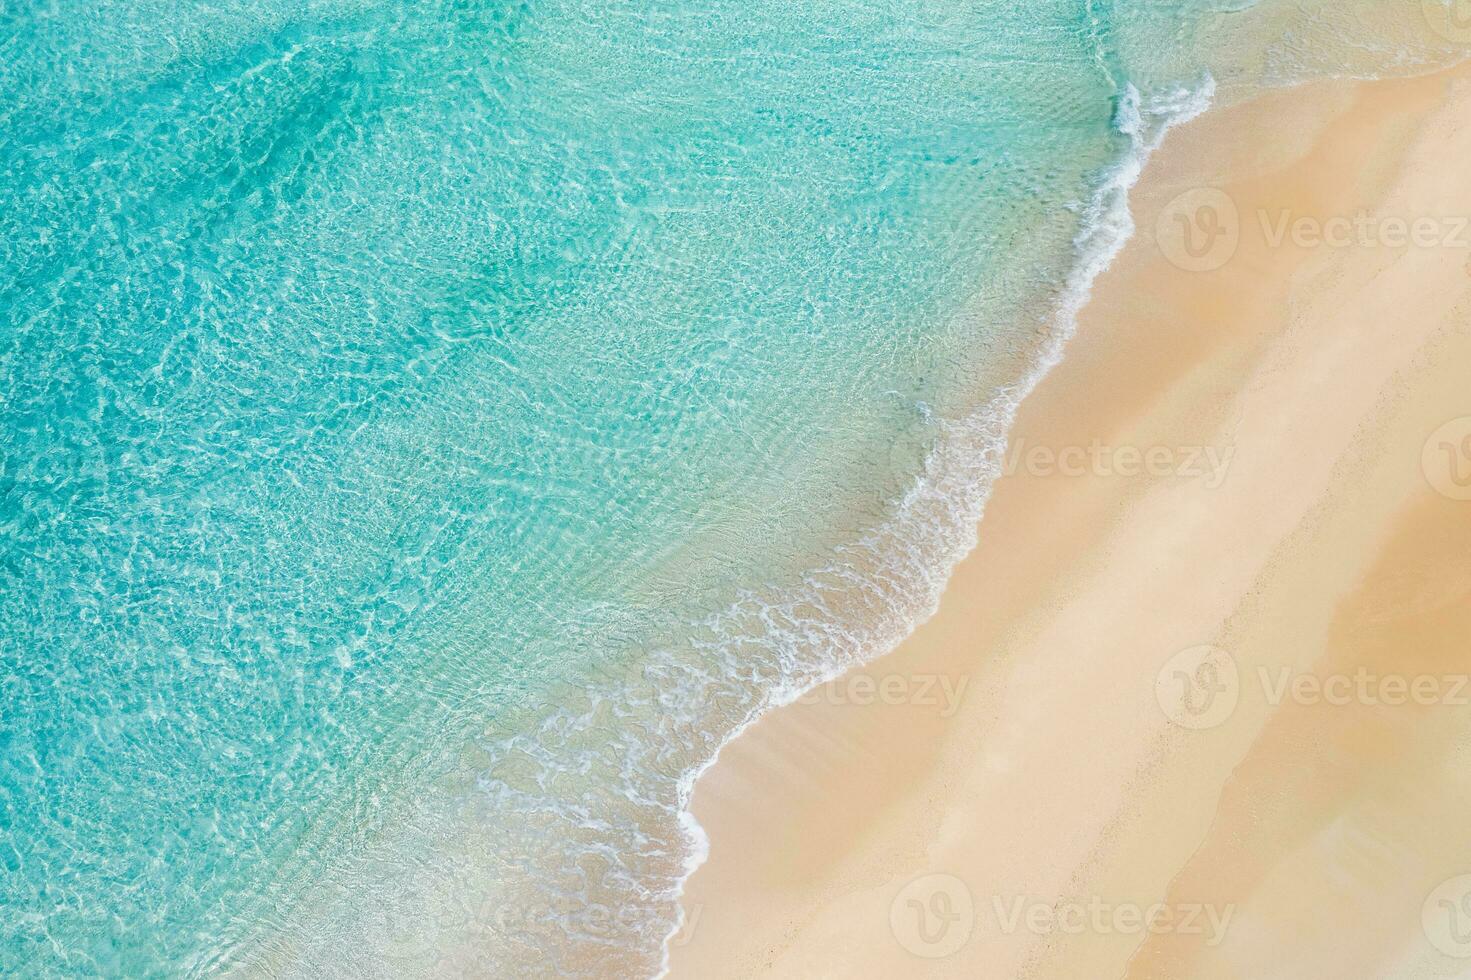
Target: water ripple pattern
x=430 y=430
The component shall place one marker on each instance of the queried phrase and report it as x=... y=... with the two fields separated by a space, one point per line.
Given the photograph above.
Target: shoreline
x=782 y=865
x=1106 y=231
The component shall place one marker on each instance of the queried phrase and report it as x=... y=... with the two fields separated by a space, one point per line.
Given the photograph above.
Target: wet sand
x=1192 y=707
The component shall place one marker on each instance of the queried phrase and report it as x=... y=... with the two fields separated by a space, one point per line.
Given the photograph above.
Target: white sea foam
x=908 y=560
x=567 y=851
x=608 y=778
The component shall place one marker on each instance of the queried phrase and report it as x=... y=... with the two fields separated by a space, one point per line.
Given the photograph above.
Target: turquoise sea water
x=431 y=430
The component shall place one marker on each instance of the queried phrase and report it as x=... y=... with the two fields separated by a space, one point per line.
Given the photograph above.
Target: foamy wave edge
x=960 y=471
x=587 y=808
x=569 y=850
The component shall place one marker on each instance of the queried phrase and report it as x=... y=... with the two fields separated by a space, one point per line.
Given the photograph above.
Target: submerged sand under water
x=1209 y=728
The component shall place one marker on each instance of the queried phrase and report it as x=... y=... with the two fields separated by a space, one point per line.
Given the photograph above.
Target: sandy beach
x=1195 y=706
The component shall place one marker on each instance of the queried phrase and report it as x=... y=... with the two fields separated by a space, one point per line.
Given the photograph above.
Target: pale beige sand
x=1314 y=832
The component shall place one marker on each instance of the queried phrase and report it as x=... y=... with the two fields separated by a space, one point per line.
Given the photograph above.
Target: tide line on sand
x=1065 y=778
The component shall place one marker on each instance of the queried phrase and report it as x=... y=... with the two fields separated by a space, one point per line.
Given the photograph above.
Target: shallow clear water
x=429 y=431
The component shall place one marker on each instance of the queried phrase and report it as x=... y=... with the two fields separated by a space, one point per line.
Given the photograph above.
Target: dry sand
x=1073 y=778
